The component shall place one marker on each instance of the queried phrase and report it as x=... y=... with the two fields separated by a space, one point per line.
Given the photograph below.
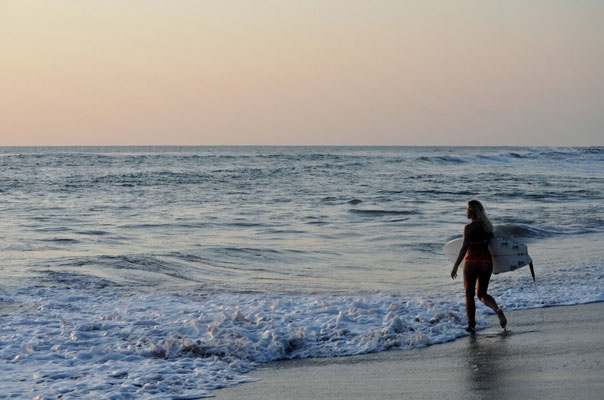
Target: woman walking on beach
x=478 y=265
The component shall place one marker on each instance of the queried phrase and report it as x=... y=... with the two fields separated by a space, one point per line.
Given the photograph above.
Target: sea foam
x=73 y=343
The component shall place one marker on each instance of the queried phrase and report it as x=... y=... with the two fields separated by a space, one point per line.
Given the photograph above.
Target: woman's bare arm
x=462 y=253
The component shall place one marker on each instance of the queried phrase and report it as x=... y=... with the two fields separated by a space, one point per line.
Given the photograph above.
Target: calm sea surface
x=122 y=267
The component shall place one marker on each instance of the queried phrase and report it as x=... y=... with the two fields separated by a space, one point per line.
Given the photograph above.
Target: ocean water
x=167 y=272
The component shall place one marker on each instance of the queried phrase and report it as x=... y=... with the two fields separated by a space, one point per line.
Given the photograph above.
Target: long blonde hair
x=480 y=214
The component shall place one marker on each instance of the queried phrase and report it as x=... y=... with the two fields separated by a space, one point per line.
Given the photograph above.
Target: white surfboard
x=508 y=255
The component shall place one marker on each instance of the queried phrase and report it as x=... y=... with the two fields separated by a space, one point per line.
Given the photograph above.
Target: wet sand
x=562 y=358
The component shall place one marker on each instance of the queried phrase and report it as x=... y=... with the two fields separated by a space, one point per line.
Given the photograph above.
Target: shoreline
x=561 y=359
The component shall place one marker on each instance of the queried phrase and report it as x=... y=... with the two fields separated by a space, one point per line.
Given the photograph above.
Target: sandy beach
x=559 y=359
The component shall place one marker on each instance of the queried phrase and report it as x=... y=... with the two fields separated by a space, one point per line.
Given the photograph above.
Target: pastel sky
x=301 y=72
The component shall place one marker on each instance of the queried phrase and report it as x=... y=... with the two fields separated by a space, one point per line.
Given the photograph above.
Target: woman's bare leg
x=489 y=302
x=469 y=281
x=483 y=284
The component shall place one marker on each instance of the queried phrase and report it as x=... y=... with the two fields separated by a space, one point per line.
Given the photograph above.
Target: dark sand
x=561 y=359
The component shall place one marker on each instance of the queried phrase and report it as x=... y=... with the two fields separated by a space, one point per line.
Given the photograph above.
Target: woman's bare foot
x=502 y=319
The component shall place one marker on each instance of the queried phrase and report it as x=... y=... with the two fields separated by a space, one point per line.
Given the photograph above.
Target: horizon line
x=293 y=145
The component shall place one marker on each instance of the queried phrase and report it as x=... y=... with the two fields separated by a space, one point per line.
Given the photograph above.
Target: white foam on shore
x=73 y=343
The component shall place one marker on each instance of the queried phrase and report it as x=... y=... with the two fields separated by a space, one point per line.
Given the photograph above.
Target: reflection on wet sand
x=485 y=359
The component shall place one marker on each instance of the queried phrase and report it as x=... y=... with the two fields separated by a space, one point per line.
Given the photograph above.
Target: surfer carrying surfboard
x=478 y=264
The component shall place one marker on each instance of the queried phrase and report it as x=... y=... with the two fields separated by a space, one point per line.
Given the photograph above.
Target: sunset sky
x=301 y=72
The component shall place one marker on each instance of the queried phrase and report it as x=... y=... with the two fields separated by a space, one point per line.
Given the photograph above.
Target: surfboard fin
x=532 y=271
